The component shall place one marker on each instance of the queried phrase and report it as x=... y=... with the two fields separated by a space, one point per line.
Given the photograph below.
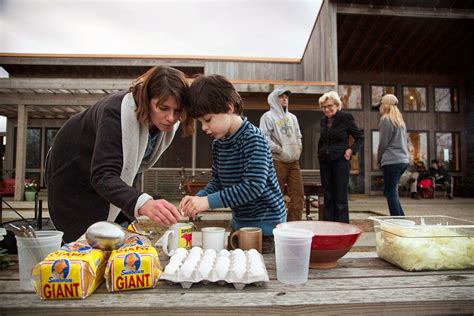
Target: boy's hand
x=191 y=205
x=160 y=211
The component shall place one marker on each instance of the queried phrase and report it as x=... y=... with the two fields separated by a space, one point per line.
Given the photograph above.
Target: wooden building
x=420 y=51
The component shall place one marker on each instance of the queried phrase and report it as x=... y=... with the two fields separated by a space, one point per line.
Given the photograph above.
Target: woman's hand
x=160 y=211
x=348 y=154
x=191 y=205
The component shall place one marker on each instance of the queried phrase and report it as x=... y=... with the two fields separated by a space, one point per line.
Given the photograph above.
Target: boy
x=243 y=176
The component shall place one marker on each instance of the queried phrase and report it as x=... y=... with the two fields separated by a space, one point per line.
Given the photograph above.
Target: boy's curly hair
x=212 y=94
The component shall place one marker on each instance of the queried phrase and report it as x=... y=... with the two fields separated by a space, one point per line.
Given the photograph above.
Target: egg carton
x=236 y=266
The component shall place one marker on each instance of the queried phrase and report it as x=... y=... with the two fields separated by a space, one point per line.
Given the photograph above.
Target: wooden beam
x=64 y=83
x=32 y=59
x=120 y=84
x=49 y=99
x=158 y=59
x=20 y=162
x=418 y=12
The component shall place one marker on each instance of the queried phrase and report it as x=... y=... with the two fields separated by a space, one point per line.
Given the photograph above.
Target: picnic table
x=361 y=284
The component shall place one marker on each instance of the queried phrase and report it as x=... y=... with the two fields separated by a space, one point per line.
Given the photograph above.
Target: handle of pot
x=165 y=243
x=232 y=238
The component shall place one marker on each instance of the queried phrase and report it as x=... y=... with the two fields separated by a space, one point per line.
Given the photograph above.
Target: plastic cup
x=292 y=253
x=32 y=250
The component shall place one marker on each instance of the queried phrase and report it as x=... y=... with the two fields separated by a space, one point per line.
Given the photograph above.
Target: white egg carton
x=236 y=266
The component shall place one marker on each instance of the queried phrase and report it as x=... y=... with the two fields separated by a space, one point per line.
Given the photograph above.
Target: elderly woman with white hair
x=334 y=153
x=392 y=154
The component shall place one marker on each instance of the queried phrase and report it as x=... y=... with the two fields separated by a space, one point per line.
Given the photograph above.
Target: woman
x=97 y=154
x=392 y=154
x=334 y=153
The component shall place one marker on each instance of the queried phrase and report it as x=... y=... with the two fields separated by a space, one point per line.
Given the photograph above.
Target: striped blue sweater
x=244 y=179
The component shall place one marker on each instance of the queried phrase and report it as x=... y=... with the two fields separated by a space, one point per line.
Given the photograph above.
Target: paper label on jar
x=185 y=236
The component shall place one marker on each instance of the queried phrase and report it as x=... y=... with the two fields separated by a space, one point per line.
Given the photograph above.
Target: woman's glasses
x=327 y=107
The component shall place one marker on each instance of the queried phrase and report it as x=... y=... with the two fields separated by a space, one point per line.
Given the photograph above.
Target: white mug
x=178 y=236
x=213 y=238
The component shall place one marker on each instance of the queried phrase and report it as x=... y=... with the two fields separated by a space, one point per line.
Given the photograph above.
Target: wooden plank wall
x=429 y=121
x=320 y=57
x=255 y=70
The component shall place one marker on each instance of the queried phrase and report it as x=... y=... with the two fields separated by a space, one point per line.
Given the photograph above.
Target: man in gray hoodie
x=283 y=134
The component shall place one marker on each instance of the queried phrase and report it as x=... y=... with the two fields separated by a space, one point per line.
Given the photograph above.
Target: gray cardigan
x=393 y=145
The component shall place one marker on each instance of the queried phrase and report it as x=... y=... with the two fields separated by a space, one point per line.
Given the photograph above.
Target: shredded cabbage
x=427 y=248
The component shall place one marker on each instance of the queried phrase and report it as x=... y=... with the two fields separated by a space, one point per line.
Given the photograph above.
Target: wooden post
x=20 y=162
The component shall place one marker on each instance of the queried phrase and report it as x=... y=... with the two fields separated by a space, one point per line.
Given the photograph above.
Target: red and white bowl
x=331 y=241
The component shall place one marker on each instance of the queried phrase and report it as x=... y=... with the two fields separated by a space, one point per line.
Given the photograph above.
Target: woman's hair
x=331 y=95
x=212 y=94
x=160 y=82
x=390 y=111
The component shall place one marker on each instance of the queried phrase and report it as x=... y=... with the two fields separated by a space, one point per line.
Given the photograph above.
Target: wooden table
x=361 y=284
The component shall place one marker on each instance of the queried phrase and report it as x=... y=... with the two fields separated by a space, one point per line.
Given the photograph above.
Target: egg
x=256 y=270
x=194 y=256
x=196 y=250
x=177 y=258
x=224 y=252
x=239 y=261
x=171 y=268
x=238 y=252
x=239 y=271
x=221 y=268
x=187 y=268
x=210 y=252
x=253 y=253
x=205 y=268
x=207 y=260
x=181 y=252
x=223 y=260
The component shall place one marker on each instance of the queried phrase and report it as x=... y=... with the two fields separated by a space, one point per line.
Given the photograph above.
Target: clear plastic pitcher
x=292 y=250
x=31 y=250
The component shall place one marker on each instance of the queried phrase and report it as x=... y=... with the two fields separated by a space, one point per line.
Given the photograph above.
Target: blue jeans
x=391 y=177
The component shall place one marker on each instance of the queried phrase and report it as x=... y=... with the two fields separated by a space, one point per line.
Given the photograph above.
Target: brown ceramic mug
x=248 y=238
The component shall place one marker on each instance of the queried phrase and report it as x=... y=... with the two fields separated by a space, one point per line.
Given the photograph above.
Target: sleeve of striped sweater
x=253 y=180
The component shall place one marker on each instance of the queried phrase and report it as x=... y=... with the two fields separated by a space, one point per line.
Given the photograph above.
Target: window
x=351 y=96
x=447 y=149
x=414 y=99
x=50 y=134
x=446 y=100
x=377 y=91
x=33 y=147
x=375 y=147
x=418 y=147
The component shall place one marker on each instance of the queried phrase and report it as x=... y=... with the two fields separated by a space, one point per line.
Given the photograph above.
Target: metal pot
x=105 y=235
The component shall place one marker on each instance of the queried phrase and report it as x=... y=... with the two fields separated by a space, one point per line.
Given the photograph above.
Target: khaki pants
x=290 y=174
x=406 y=182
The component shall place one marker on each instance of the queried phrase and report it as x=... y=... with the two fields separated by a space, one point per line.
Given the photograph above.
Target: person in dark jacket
x=97 y=154
x=334 y=153
x=441 y=176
